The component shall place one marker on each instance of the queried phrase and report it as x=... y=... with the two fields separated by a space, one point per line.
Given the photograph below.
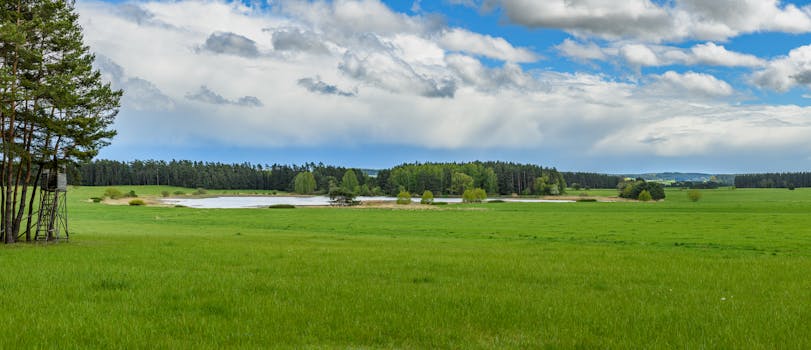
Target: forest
x=500 y=178
x=774 y=180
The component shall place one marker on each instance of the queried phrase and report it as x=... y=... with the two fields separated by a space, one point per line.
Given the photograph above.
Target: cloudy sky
x=590 y=85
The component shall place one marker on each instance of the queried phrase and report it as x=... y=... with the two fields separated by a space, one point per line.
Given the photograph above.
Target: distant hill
x=726 y=179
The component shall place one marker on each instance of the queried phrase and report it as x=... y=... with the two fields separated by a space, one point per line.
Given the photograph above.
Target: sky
x=581 y=85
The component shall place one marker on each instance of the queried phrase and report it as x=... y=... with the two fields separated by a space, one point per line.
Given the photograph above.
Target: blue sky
x=588 y=85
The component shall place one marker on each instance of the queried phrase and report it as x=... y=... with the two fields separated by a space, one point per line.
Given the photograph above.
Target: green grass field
x=730 y=271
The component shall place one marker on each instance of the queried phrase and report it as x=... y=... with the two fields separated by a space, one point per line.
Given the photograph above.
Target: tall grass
x=726 y=272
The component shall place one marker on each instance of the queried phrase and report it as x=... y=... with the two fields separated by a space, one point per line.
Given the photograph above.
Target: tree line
x=212 y=175
x=500 y=178
x=54 y=108
x=585 y=180
x=774 y=180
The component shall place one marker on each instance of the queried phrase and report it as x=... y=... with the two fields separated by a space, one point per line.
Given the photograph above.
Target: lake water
x=264 y=201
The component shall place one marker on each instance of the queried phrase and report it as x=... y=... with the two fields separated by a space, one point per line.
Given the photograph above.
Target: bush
x=694 y=195
x=427 y=197
x=476 y=195
x=404 y=197
x=644 y=196
x=137 y=202
x=131 y=194
x=113 y=193
x=164 y=193
x=496 y=201
x=439 y=203
x=199 y=192
x=282 y=206
x=586 y=200
x=96 y=199
x=179 y=193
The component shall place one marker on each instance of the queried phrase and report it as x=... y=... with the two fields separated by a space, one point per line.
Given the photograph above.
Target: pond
x=264 y=201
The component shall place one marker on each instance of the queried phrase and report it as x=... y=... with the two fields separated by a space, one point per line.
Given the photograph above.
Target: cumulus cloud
x=206 y=95
x=294 y=39
x=659 y=22
x=784 y=73
x=230 y=43
x=410 y=78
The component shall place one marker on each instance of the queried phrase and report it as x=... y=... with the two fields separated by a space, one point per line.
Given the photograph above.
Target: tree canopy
x=55 y=108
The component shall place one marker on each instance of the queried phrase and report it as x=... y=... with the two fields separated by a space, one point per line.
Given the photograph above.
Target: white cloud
x=784 y=73
x=693 y=84
x=399 y=83
x=485 y=45
x=587 y=51
x=646 y=55
x=639 y=55
x=653 y=22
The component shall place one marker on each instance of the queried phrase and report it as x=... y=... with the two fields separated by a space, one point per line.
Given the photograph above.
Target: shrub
x=427 y=197
x=137 y=202
x=404 y=197
x=496 y=201
x=282 y=206
x=439 y=203
x=179 y=193
x=96 y=199
x=131 y=194
x=644 y=196
x=164 y=193
x=113 y=193
x=694 y=195
x=200 y=191
x=586 y=200
x=476 y=195
x=790 y=187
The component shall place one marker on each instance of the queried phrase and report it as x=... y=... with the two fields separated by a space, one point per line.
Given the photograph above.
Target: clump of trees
x=476 y=195
x=500 y=178
x=632 y=189
x=54 y=108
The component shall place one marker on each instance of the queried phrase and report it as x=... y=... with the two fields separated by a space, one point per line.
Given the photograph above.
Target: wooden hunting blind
x=52 y=217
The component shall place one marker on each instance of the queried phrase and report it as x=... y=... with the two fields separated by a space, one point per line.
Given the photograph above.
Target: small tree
x=644 y=196
x=340 y=196
x=461 y=182
x=304 y=183
x=404 y=197
x=427 y=197
x=694 y=195
x=350 y=181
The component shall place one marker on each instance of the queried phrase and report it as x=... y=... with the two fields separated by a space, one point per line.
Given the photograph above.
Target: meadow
x=729 y=271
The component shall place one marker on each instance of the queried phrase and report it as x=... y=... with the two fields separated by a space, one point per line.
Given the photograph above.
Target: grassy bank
x=726 y=272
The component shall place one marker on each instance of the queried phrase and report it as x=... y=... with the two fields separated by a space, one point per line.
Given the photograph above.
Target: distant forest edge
x=500 y=178
x=774 y=180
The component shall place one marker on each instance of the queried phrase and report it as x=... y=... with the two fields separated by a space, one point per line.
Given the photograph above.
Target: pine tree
x=55 y=108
